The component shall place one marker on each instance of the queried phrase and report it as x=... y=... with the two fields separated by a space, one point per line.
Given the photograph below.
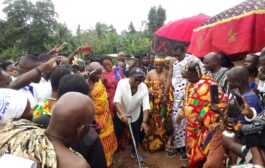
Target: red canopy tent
x=240 y=29
x=179 y=31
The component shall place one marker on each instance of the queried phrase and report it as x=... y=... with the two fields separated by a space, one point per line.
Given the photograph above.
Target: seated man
x=71 y=118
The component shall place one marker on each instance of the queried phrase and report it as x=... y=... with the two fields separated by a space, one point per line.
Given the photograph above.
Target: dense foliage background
x=32 y=28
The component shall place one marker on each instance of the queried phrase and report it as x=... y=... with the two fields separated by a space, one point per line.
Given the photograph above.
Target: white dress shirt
x=131 y=104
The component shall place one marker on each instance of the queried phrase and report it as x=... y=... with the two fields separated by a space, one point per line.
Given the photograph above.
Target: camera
x=254 y=133
x=256 y=126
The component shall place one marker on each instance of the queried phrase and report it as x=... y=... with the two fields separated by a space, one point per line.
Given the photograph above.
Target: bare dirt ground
x=151 y=160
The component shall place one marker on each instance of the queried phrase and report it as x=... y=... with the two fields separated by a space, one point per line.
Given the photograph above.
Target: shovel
x=133 y=140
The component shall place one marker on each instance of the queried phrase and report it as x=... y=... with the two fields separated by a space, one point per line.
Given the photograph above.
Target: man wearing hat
x=131 y=94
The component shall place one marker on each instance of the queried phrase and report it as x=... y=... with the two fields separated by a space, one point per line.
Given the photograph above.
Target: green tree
x=29 y=25
x=102 y=28
x=78 y=30
x=136 y=43
x=156 y=18
x=131 y=28
x=60 y=35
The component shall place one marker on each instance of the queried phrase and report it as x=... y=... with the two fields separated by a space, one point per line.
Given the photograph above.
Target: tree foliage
x=31 y=27
x=156 y=18
x=131 y=28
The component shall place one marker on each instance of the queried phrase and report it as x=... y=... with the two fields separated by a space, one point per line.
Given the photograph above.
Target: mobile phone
x=214 y=94
x=238 y=98
x=86 y=49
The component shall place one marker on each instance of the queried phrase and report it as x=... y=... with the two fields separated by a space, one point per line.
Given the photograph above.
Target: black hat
x=137 y=72
x=138 y=55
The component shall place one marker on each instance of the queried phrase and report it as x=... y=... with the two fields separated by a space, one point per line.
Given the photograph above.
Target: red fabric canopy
x=176 y=32
x=240 y=29
x=181 y=30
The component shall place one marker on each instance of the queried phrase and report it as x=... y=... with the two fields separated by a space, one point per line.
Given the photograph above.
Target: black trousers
x=120 y=126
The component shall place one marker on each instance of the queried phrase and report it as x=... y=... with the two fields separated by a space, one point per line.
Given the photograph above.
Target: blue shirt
x=254 y=102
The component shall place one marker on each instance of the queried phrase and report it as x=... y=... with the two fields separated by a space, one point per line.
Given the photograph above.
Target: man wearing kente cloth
x=71 y=118
x=200 y=119
x=102 y=111
x=160 y=114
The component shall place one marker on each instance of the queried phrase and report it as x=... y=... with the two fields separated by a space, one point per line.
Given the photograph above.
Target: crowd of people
x=67 y=112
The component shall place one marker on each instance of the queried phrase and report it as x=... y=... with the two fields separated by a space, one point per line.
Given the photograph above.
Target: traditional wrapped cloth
x=42 y=109
x=26 y=139
x=196 y=105
x=160 y=118
x=161 y=130
x=104 y=119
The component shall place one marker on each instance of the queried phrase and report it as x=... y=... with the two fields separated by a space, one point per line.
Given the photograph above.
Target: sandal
x=170 y=151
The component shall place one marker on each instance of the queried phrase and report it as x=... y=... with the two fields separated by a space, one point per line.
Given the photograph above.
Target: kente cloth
x=110 y=81
x=43 y=108
x=104 y=120
x=159 y=136
x=25 y=139
x=179 y=85
x=199 y=118
x=221 y=77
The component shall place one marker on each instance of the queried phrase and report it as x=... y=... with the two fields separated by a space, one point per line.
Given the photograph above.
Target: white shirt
x=12 y=104
x=37 y=92
x=43 y=90
x=132 y=104
x=30 y=92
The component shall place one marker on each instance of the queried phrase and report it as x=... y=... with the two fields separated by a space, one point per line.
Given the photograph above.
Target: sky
x=120 y=13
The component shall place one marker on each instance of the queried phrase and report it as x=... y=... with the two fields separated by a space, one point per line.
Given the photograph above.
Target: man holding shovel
x=131 y=94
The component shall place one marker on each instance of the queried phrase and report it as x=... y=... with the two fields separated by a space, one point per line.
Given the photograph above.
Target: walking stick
x=133 y=140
